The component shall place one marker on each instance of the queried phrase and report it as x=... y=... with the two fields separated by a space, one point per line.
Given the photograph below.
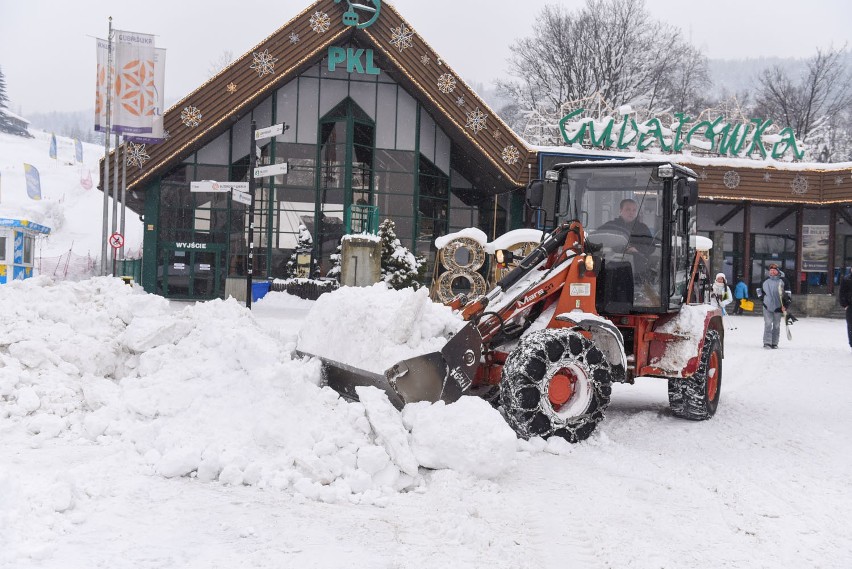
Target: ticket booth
x=17 y=245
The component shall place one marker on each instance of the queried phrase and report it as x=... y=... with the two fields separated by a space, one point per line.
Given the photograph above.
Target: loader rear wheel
x=556 y=383
x=697 y=397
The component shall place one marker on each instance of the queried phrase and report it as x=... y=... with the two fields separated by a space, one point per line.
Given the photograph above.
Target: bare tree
x=816 y=105
x=224 y=60
x=611 y=49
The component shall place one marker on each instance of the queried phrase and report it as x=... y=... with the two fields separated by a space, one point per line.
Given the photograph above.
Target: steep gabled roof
x=300 y=43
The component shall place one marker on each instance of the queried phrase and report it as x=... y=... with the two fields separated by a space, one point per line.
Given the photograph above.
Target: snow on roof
x=12 y=115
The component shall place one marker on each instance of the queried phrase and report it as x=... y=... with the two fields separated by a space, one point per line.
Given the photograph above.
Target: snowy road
x=765 y=483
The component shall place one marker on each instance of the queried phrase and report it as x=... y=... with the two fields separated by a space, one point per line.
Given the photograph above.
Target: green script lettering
x=788 y=140
x=757 y=138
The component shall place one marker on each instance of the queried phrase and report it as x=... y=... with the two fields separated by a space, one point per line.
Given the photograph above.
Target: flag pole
x=123 y=196
x=117 y=150
x=104 y=235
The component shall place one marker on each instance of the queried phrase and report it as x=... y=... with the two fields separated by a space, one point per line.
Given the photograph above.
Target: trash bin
x=259 y=290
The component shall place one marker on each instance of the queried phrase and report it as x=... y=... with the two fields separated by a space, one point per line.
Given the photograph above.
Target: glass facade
x=350 y=139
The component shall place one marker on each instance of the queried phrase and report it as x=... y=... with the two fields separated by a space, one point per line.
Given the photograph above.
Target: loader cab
x=638 y=217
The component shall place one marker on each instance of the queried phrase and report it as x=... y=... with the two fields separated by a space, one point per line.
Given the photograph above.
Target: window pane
x=262 y=114
x=386 y=117
x=285 y=111
x=331 y=92
x=364 y=94
x=2 y=248
x=406 y=121
x=240 y=135
x=308 y=110
x=215 y=152
x=427 y=135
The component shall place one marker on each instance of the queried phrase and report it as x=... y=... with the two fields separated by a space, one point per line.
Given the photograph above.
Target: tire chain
x=687 y=396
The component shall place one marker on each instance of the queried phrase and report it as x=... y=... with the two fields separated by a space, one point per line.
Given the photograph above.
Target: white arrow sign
x=214 y=186
x=273 y=130
x=241 y=197
x=272 y=170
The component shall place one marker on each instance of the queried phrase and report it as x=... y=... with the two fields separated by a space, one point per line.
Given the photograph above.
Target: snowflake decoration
x=440 y=61
x=166 y=135
x=446 y=83
x=767 y=177
x=476 y=121
x=264 y=63
x=135 y=154
x=703 y=175
x=799 y=185
x=497 y=134
x=460 y=101
x=401 y=37
x=190 y=116
x=320 y=22
x=731 y=179
x=838 y=180
x=294 y=38
x=511 y=155
x=232 y=87
x=424 y=60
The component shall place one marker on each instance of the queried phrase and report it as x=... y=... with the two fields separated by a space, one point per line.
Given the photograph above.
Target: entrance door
x=189 y=272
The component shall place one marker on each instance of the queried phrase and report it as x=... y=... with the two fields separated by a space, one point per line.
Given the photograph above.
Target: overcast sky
x=47 y=50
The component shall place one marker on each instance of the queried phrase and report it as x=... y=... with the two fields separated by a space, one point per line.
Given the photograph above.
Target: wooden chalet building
x=374 y=117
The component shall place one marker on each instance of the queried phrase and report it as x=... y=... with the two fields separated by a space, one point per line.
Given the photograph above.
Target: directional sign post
x=218 y=187
x=271 y=170
x=241 y=197
x=273 y=130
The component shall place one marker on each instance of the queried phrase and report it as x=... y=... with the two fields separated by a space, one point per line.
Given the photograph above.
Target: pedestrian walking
x=775 y=297
x=846 y=302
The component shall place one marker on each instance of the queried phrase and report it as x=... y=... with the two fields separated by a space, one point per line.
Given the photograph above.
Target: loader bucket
x=436 y=376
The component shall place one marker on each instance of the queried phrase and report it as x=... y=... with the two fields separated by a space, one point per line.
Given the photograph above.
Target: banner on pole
x=33 y=182
x=78 y=150
x=52 y=145
x=157 y=133
x=137 y=86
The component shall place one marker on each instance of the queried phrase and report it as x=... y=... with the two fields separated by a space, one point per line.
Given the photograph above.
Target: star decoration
x=767 y=177
x=446 y=83
x=476 y=121
x=190 y=116
x=294 y=38
x=232 y=87
x=320 y=22
x=264 y=63
x=401 y=37
x=135 y=154
x=460 y=100
x=424 y=59
x=511 y=155
x=497 y=134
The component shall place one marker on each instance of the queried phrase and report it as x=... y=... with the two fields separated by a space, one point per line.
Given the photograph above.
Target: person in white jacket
x=721 y=296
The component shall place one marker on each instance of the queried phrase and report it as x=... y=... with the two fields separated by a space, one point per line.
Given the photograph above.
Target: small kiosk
x=17 y=238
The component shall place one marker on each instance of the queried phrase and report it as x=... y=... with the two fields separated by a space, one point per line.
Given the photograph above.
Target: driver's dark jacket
x=640 y=234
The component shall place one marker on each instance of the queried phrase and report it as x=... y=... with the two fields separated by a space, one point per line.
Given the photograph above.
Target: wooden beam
x=800 y=219
x=841 y=211
x=747 y=243
x=730 y=215
x=832 y=247
x=779 y=218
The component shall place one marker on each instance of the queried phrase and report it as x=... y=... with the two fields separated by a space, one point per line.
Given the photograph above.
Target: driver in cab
x=640 y=239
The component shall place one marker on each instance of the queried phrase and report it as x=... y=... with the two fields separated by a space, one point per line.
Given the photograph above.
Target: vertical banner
x=815 y=248
x=102 y=47
x=86 y=181
x=135 y=88
x=33 y=182
x=78 y=150
x=157 y=132
x=52 y=145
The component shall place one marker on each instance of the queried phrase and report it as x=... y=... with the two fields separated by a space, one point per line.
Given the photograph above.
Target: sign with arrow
x=273 y=130
x=271 y=170
x=241 y=197
x=214 y=186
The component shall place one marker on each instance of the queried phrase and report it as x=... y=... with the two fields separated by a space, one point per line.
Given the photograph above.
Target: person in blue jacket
x=740 y=294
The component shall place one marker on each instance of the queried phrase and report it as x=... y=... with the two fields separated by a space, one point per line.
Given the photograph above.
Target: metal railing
x=363 y=219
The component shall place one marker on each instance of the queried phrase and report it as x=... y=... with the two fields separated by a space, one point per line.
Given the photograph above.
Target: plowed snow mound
x=373 y=328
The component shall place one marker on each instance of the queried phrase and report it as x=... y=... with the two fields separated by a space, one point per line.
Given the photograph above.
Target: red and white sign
x=116 y=240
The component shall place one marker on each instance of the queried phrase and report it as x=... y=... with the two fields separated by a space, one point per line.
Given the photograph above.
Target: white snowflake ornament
x=401 y=37
x=264 y=63
x=190 y=116
x=320 y=22
x=294 y=38
x=135 y=154
x=731 y=179
x=799 y=185
x=476 y=121
x=460 y=100
x=446 y=83
x=511 y=155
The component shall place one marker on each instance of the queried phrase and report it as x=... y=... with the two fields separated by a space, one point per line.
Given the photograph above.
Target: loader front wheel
x=556 y=383
x=697 y=397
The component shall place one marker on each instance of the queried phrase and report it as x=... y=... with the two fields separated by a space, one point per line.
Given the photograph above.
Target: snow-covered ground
x=135 y=432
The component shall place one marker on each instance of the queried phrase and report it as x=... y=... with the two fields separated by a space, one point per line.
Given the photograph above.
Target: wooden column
x=832 y=246
x=800 y=218
x=747 y=243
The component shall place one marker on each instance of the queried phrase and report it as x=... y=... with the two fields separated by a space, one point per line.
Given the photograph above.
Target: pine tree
x=400 y=268
x=5 y=123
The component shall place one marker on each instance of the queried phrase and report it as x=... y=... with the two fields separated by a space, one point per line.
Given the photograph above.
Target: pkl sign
x=713 y=136
x=352 y=58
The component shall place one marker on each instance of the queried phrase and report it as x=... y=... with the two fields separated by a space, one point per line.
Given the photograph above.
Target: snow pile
x=689 y=323
x=372 y=328
x=206 y=392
